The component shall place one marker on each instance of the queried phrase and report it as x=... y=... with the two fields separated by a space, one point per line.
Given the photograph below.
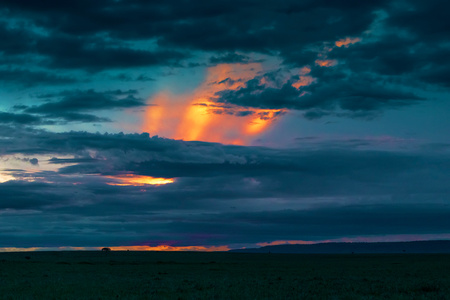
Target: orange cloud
x=137 y=180
x=303 y=81
x=193 y=116
x=347 y=41
x=305 y=70
x=326 y=62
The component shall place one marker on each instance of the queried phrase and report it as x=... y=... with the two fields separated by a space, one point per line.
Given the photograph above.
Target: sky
x=215 y=125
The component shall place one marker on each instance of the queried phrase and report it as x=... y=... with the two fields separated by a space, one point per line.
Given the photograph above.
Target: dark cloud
x=355 y=95
x=77 y=52
x=28 y=78
x=127 y=77
x=70 y=106
x=144 y=78
x=229 y=58
x=92 y=34
x=55 y=160
x=321 y=223
x=95 y=55
x=71 y=102
x=64 y=117
x=277 y=170
x=411 y=47
x=222 y=194
x=48 y=118
x=34 y=161
x=221 y=26
x=16 y=40
x=21 y=119
x=404 y=60
x=395 y=48
x=244 y=113
x=424 y=20
x=19 y=195
x=245 y=26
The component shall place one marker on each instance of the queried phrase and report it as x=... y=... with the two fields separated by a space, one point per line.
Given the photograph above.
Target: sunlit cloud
x=323 y=60
x=303 y=81
x=22 y=168
x=347 y=41
x=193 y=116
x=4 y=177
x=326 y=62
x=137 y=180
x=260 y=123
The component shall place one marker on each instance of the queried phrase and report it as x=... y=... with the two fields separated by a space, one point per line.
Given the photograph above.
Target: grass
x=189 y=275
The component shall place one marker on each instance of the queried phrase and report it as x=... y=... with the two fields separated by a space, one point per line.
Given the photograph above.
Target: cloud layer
x=351 y=95
x=365 y=58
x=221 y=195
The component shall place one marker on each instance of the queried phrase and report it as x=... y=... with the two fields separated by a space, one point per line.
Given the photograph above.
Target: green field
x=189 y=275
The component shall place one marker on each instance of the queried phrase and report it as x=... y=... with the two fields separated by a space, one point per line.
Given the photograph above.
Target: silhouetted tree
x=106 y=249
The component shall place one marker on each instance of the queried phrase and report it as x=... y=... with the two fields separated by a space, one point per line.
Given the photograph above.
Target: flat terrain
x=188 y=275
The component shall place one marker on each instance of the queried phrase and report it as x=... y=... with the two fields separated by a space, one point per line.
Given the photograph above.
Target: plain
x=221 y=275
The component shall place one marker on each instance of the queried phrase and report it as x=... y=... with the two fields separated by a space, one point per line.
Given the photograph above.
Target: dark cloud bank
x=223 y=195
x=72 y=106
x=404 y=45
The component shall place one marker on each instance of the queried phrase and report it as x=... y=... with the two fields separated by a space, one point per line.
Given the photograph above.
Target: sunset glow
x=347 y=41
x=121 y=248
x=303 y=81
x=326 y=62
x=260 y=123
x=193 y=116
x=5 y=177
x=138 y=180
x=171 y=248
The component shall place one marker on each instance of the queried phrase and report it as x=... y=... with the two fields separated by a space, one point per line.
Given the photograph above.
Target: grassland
x=188 y=275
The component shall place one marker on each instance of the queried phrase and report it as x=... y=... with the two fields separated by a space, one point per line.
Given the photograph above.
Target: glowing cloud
x=21 y=168
x=193 y=116
x=4 y=177
x=138 y=180
x=326 y=62
x=347 y=41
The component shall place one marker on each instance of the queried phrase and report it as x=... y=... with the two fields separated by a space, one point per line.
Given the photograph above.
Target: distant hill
x=348 y=248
